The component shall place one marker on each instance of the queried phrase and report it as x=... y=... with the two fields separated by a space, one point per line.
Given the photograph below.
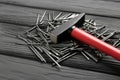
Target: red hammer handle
x=87 y=38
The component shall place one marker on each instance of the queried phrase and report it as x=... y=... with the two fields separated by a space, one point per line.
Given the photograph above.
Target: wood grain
x=27 y=16
x=23 y=17
x=12 y=68
x=9 y=47
x=108 y=8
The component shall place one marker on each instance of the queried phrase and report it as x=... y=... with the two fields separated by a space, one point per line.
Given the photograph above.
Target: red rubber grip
x=87 y=38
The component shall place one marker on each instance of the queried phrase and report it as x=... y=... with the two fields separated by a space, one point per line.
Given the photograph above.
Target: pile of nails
x=38 y=40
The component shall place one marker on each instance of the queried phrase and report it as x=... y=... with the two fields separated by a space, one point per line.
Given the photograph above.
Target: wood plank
x=108 y=8
x=18 y=15
x=22 y=69
x=27 y=16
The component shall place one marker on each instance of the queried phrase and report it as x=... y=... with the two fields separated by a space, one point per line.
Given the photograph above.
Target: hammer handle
x=87 y=38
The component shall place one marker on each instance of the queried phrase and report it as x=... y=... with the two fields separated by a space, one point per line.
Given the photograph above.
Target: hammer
x=70 y=29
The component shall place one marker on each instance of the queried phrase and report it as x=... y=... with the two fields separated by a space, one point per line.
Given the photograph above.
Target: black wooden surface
x=16 y=19
x=109 y=8
x=12 y=68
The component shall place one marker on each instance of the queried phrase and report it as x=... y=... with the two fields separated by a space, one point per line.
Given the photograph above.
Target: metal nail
x=70 y=16
x=99 y=35
x=62 y=58
x=58 y=15
x=48 y=54
x=116 y=43
x=29 y=30
x=49 y=17
x=38 y=17
x=37 y=47
x=63 y=48
x=54 y=56
x=37 y=53
x=110 y=35
x=67 y=57
x=48 y=49
x=41 y=19
x=56 y=52
x=33 y=37
x=100 y=28
x=53 y=15
x=33 y=49
x=47 y=29
x=87 y=25
x=52 y=26
x=85 y=55
x=38 y=29
x=42 y=37
x=28 y=43
x=65 y=16
x=90 y=56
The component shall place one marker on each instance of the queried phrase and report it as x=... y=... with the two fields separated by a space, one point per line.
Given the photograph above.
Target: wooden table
x=18 y=62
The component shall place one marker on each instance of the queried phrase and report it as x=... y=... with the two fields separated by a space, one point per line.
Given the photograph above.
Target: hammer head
x=61 y=33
